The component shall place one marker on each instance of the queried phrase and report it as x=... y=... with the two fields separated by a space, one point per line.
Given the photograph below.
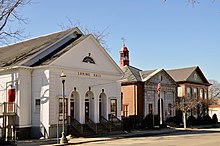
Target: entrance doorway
x=89 y=106
x=72 y=108
x=102 y=105
x=75 y=105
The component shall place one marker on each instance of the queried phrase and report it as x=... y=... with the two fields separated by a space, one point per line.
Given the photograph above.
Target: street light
x=63 y=139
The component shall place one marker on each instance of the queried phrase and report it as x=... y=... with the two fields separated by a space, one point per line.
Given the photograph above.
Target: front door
x=72 y=109
x=87 y=109
x=100 y=109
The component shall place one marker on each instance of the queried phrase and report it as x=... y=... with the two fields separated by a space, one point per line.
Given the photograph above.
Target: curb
x=129 y=135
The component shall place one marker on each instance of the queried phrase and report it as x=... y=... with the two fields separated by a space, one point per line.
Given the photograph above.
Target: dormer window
x=88 y=59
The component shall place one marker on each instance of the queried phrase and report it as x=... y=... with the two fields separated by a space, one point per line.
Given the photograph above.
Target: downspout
x=31 y=98
x=135 y=99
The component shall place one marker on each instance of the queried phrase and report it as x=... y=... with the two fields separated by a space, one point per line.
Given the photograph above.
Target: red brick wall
x=129 y=94
x=128 y=97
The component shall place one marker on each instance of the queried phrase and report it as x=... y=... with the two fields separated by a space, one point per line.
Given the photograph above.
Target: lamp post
x=63 y=139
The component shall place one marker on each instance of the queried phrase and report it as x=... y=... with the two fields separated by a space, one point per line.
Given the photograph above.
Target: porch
x=8 y=113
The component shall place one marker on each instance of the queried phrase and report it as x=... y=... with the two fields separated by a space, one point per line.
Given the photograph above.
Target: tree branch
x=8 y=13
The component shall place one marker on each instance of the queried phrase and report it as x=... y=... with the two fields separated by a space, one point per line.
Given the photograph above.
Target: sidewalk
x=81 y=140
x=133 y=133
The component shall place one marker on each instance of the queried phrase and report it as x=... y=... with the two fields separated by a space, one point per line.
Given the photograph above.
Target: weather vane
x=123 y=40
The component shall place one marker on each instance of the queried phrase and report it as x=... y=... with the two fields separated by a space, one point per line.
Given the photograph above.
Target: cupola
x=124 y=56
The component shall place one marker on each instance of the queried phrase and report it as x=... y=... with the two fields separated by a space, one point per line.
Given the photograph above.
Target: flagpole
x=160 y=101
x=161 y=114
x=154 y=110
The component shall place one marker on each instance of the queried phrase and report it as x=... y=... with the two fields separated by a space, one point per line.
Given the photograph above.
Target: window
x=194 y=111
x=188 y=92
x=88 y=59
x=195 y=76
x=121 y=101
x=180 y=94
x=201 y=93
x=126 y=110
x=61 y=108
x=37 y=105
x=114 y=107
x=195 y=92
x=169 y=113
x=150 y=108
x=205 y=94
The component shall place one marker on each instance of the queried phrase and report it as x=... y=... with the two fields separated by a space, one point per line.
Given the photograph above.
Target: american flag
x=158 y=89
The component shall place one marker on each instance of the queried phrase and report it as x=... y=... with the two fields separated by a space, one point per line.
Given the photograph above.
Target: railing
x=105 y=123
x=43 y=130
x=91 y=124
x=115 y=121
x=1 y=132
x=73 y=122
x=8 y=108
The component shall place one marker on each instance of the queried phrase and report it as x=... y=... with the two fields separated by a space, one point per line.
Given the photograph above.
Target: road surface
x=197 y=138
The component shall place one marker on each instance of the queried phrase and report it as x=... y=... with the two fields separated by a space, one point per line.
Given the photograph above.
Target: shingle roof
x=147 y=74
x=131 y=74
x=14 y=54
x=181 y=74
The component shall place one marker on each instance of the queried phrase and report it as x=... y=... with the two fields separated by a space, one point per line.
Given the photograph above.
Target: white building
x=32 y=69
x=214 y=109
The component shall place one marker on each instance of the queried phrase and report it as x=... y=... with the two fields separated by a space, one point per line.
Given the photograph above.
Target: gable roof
x=25 y=53
x=183 y=74
x=132 y=74
x=148 y=74
x=56 y=54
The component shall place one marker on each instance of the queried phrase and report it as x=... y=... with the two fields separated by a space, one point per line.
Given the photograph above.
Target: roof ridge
x=132 y=71
x=183 y=68
x=134 y=67
x=152 y=73
x=37 y=37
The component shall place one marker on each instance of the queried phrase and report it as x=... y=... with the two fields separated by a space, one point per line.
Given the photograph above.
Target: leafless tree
x=189 y=1
x=214 y=92
x=192 y=2
x=9 y=15
x=99 y=35
x=214 y=89
x=186 y=104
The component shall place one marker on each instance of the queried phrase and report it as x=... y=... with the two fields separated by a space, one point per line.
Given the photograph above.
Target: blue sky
x=158 y=35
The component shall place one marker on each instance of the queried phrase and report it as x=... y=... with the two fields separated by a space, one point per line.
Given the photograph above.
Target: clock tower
x=124 y=56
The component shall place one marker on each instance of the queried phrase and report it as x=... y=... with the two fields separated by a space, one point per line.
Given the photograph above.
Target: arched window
x=88 y=59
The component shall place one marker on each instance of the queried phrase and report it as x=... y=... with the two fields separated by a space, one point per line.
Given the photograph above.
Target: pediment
x=161 y=76
x=195 y=77
x=88 y=56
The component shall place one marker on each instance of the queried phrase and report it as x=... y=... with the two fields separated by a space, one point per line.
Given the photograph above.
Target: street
x=183 y=138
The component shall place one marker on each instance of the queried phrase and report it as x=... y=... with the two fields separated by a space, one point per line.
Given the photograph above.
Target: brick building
x=192 y=83
x=140 y=90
